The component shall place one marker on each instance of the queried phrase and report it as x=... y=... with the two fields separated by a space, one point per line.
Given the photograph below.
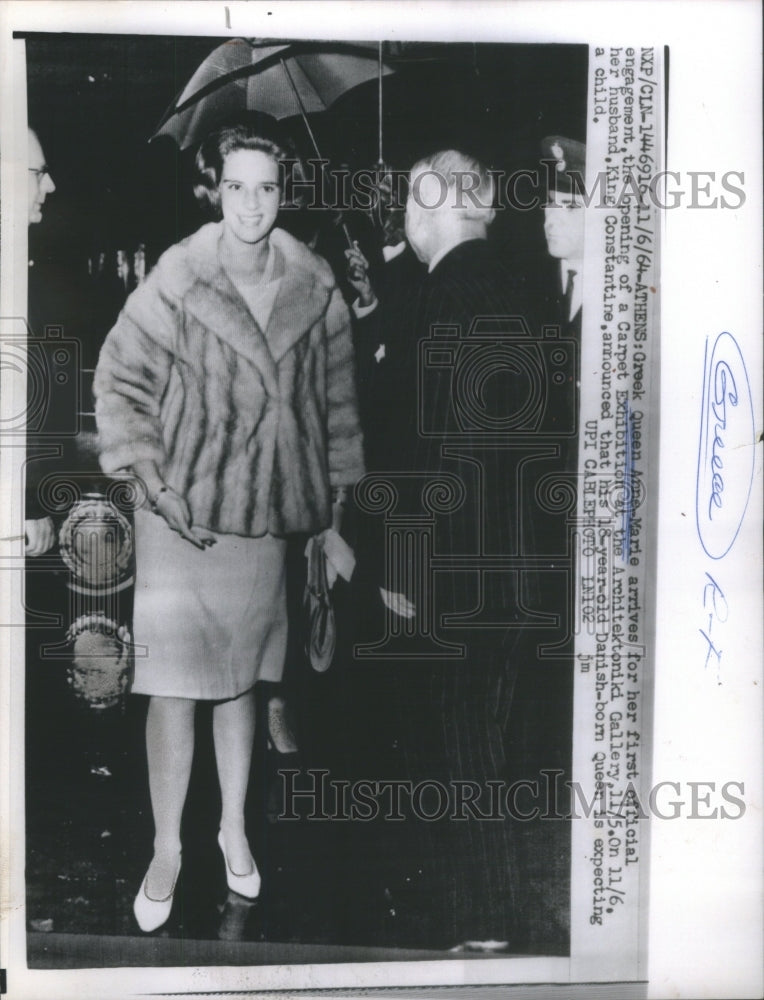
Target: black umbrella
x=281 y=80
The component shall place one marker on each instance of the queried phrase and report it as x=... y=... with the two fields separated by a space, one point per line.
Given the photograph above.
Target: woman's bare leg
x=233 y=728
x=170 y=750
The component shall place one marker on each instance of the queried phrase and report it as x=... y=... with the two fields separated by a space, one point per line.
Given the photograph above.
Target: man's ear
x=471 y=213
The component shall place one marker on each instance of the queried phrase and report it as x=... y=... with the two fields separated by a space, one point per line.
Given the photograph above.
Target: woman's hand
x=399 y=604
x=174 y=510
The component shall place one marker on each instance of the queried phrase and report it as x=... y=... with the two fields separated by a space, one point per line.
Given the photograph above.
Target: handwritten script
x=726 y=447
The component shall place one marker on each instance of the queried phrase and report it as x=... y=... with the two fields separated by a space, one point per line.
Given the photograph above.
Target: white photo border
x=705 y=896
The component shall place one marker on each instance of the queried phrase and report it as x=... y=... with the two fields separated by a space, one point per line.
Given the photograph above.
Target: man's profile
x=39 y=532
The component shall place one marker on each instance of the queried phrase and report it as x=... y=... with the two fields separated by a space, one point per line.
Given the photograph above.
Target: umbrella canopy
x=281 y=80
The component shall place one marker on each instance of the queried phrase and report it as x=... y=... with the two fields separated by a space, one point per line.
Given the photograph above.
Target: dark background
x=95 y=101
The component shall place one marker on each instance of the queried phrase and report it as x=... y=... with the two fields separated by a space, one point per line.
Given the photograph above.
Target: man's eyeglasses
x=40 y=172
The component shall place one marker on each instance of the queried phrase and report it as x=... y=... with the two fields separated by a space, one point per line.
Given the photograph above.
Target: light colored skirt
x=207 y=623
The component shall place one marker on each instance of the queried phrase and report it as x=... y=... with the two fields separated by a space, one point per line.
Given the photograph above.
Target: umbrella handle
x=379 y=101
x=301 y=106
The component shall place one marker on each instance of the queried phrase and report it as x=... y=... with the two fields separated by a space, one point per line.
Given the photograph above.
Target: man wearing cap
x=565 y=162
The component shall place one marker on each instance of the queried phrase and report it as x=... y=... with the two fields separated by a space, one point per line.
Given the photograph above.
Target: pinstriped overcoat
x=253 y=427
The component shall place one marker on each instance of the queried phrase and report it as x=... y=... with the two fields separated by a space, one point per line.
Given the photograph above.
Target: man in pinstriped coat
x=461 y=378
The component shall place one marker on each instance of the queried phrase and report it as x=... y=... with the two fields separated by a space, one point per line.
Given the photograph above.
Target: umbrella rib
x=311 y=81
x=243 y=71
x=214 y=85
x=301 y=107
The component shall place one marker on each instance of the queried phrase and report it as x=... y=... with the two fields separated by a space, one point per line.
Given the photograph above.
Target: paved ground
x=330 y=884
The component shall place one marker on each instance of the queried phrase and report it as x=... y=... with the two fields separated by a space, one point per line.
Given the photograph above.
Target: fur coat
x=253 y=427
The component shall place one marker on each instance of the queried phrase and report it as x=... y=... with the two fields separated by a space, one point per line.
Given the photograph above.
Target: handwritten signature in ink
x=725 y=475
x=726 y=448
x=715 y=604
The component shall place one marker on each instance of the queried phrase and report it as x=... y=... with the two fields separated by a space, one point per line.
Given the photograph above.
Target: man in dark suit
x=457 y=384
x=382 y=305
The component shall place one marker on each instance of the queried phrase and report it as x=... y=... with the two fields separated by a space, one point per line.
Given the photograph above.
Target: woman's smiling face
x=250 y=194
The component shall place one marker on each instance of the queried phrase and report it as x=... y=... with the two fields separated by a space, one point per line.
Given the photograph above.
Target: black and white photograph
x=375 y=507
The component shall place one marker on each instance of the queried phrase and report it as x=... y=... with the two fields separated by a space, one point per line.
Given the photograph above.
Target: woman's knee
x=172 y=711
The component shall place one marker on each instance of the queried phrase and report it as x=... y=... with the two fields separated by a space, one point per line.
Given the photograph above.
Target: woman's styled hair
x=258 y=137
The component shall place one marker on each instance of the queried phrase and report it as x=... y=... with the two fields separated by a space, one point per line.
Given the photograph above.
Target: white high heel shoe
x=245 y=885
x=152 y=913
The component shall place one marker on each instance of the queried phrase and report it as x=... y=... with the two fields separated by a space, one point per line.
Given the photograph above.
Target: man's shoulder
x=474 y=270
x=402 y=273
x=473 y=257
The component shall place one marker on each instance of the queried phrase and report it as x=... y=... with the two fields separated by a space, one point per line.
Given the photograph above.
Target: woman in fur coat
x=227 y=389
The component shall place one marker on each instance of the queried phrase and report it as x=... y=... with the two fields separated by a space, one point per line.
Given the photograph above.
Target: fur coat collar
x=211 y=297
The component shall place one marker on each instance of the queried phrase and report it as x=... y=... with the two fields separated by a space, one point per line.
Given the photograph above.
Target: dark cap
x=563 y=158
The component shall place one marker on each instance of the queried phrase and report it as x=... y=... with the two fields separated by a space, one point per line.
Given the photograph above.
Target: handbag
x=320 y=631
